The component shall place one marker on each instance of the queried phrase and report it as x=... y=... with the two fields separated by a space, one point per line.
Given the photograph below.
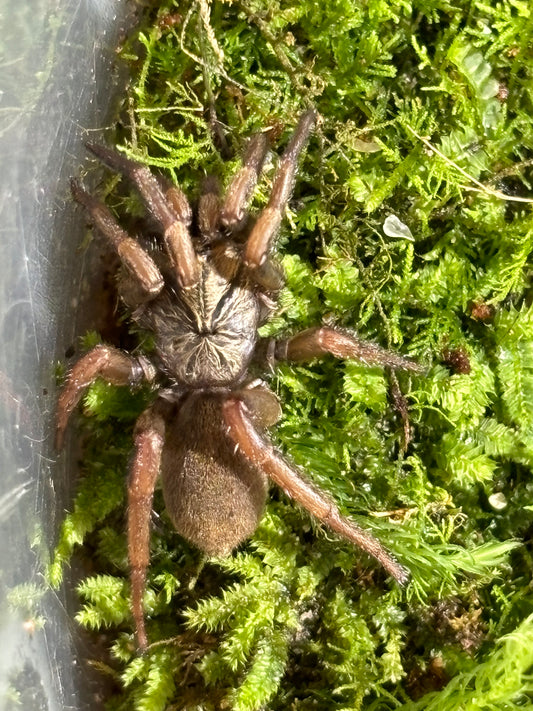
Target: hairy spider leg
x=264 y=232
x=262 y=454
x=138 y=263
x=244 y=181
x=341 y=343
x=209 y=209
x=169 y=207
x=149 y=439
x=111 y=364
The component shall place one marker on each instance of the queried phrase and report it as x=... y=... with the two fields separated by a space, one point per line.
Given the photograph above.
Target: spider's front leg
x=111 y=364
x=149 y=441
x=263 y=455
x=264 y=232
x=243 y=183
x=168 y=205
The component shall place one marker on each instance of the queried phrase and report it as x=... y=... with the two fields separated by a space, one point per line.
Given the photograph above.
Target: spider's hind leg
x=149 y=441
x=240 y=422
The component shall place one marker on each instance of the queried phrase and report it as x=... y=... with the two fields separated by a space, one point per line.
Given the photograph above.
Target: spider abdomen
x=213 y=494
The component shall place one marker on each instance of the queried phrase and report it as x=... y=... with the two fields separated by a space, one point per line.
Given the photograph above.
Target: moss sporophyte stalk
x=410 y=223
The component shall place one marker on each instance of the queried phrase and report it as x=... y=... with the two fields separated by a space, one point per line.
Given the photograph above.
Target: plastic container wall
x=58 y=80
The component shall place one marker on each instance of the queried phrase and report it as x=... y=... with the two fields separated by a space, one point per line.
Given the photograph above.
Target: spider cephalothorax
x=203 y=297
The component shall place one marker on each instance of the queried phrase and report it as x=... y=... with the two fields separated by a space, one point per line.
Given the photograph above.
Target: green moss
x=425 y=115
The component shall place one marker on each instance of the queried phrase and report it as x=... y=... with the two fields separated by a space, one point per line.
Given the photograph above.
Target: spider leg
x=270 y=277
x=264 y=231
x=170 y=208
x=106 y=362
x=149 y=441
x=244 y=181
x=263 y=455
x=262 y=404
x=138 y=263
x=341 y=343
x=209 y=209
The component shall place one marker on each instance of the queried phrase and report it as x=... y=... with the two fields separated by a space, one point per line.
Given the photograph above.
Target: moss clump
x=411 y=223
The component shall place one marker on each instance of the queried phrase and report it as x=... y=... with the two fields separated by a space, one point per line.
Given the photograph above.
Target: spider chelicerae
x=203 y=294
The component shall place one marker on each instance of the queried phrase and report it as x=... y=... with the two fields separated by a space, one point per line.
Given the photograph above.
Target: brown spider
x=203 y=297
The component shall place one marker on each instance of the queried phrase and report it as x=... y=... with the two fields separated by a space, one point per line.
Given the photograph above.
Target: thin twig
x=480 y=187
